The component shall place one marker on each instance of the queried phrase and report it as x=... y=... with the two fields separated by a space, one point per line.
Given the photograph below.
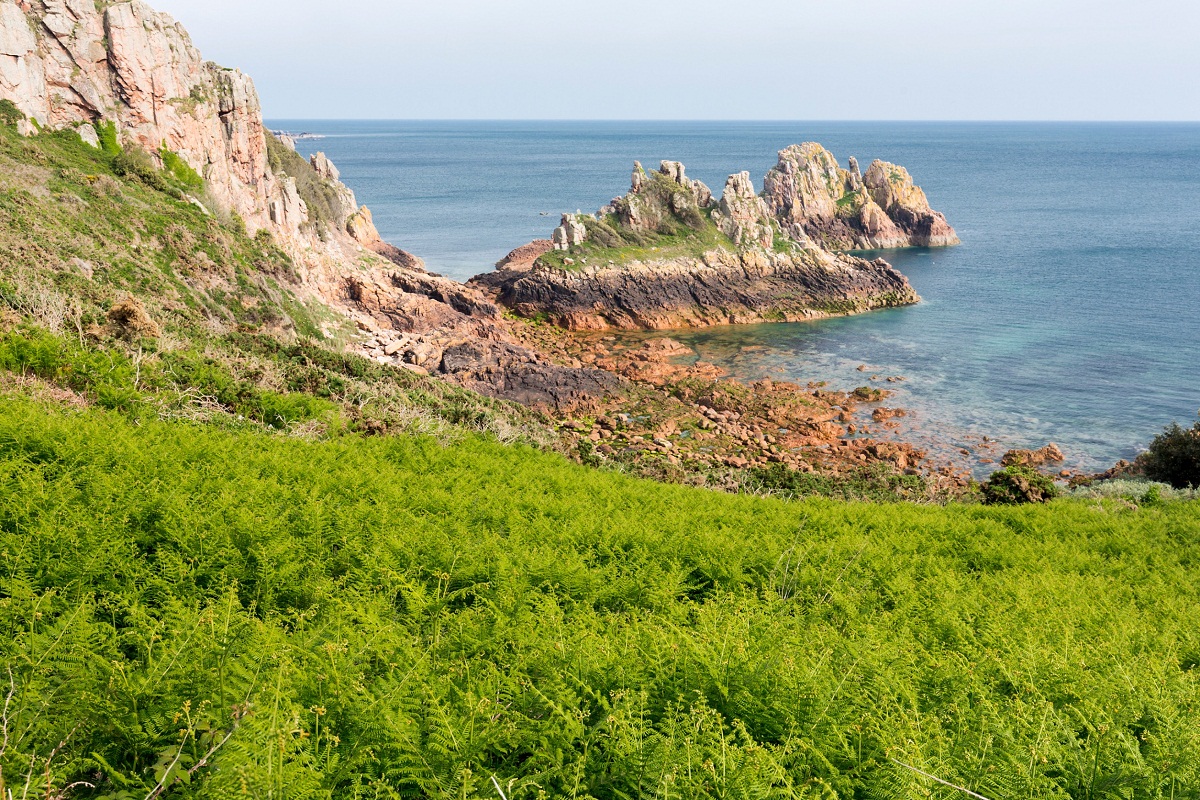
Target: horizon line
x=750 y=121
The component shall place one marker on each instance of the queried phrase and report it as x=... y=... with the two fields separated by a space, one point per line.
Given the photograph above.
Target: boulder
x=1033 y=458
x=89 y=136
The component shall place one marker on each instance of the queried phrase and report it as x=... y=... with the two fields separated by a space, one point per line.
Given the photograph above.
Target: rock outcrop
x=811 y=196
x=720 y=287
x=570 y=233
x=695 y=262
x=742 y=215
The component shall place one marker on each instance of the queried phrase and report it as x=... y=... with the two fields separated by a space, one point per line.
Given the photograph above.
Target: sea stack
x=667 y=255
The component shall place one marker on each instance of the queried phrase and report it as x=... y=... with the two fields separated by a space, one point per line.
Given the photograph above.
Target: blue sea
x=1071 y=312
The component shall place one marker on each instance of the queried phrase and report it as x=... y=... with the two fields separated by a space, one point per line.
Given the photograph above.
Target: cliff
x=841 y=209
x=128 y=80
x=666 y=255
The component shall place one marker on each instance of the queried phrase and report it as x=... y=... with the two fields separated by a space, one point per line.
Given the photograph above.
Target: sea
x=1069 y=314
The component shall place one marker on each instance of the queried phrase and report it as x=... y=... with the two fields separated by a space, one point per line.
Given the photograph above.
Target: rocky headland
x=126 y=77
x=670 y=255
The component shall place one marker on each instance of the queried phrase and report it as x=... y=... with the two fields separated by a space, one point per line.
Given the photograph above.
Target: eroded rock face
x=22 y=74
x=724 y=287
x=72 y=62
x=742 y=215
x=893 y=190
x=811 y=196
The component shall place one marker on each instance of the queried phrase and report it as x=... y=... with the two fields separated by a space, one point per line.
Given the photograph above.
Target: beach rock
x=515 y=373
x=1033 y=458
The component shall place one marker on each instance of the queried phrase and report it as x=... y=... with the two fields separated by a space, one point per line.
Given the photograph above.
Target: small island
x=670 y=255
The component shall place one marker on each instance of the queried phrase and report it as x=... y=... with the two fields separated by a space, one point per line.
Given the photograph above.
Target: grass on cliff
x=85 y=226
x=687 y=233
x=83 y=230
x=204 y=613
x=324 y=205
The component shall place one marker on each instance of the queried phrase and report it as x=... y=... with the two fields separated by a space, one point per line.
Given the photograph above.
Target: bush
x=1136 y=490
x=9 y=114
x=1015 y=485
x=1174 y=457
x=179 y=169
x=106 y=130
x=133 y=162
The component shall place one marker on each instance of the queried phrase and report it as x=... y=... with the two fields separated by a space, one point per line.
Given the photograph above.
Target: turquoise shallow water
x=1071 y=313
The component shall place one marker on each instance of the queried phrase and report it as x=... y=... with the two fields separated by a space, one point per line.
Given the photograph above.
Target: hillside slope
x=221 y=614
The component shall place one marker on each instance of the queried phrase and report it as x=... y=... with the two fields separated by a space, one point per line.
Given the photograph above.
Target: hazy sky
x=709 y=59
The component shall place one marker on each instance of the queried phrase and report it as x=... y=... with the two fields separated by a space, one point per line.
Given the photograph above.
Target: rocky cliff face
x=85 y=63
x=71 y=63
x=686 y=260
x=76 y=63
x=813 y=197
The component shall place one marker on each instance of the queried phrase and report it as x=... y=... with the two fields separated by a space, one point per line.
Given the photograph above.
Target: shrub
x=1174 y=457
x=109 y=143
x=133 y=162
x=179 y=169
x=9 y=114
x=1015 y=485
x=1136 y=490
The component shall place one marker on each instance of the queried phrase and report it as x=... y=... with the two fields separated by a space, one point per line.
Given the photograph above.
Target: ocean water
x=1071 y=313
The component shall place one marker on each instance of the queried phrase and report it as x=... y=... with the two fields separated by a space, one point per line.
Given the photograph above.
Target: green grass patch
x=607 y=242
x=390 y=617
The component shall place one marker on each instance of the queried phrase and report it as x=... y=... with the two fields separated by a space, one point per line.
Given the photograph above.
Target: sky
x=709 y=59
